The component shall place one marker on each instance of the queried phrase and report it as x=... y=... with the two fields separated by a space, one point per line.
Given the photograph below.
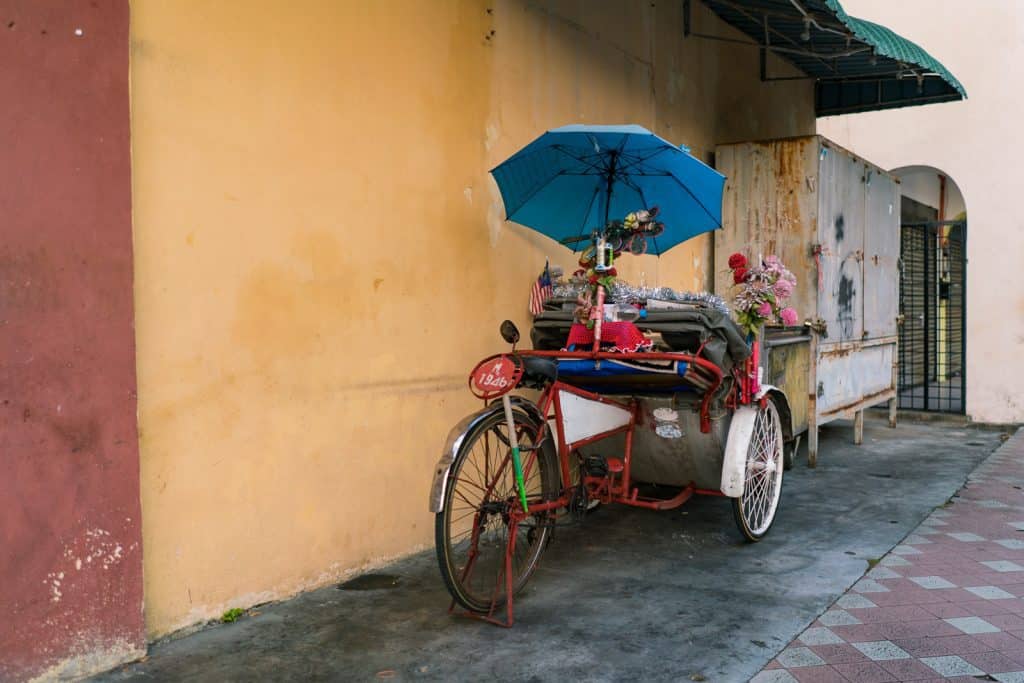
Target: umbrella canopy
x=570 y=181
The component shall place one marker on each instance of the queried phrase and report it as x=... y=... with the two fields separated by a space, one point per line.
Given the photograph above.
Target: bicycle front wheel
x=754 y=511
x=472 y=532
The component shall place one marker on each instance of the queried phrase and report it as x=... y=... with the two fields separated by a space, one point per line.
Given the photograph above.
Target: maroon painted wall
x=70 y=527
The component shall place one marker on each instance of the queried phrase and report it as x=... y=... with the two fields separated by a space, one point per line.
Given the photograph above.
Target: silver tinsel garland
x=626 y=293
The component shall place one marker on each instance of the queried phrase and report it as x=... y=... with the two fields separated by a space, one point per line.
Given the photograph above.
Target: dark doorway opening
x=933 y=260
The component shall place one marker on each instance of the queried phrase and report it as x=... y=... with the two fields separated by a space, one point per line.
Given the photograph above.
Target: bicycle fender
x=734 y=464
x=457 y=435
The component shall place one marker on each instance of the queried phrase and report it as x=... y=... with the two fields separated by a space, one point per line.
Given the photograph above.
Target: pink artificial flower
x=772 y=261
x=764 y=310
x=783 y=288
x=788 y=316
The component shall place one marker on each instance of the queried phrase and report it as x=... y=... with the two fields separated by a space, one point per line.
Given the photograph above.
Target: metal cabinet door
x=881 y=253
x=841 y=242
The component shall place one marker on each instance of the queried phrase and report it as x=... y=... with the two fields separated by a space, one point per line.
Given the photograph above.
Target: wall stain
x=79 y=435
x=285 y=309
x=845 y=298
x=840 y=226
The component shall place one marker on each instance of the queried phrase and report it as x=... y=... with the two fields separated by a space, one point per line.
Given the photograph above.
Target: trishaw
x=688 y=414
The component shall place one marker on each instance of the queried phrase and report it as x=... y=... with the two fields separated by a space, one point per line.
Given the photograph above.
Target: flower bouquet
x=763 y=290
x=629 y=234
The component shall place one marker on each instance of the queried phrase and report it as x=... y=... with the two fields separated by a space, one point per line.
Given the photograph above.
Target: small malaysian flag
x=541 y=291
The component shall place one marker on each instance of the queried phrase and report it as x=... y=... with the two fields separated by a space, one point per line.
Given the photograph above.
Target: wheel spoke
x=483 y=487
x=763 y=475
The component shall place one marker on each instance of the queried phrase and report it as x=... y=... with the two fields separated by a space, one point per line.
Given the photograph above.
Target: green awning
x=857 y=65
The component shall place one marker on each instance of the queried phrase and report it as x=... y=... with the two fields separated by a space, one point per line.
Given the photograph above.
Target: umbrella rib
x=699 y=202
x=590 y=204
x=640 y=159
x=533 y=193
x=591 y=161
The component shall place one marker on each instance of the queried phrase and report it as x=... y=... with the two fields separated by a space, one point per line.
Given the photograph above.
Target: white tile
x=916 y=539
x=966 y=537
x=905 y=550
x=869 y=586
x=819 y=635
x=882 y=650
x=931 y=582
x=838 y=617
x=1011 y=543
x=973 y=625
x=774 y=676
x=1003 y=566
x=854 y=601
x=1010 y=677
x=994 y=504
x=990 y=592
x=883 y=573
x=952 y=666
x=894 y=561
x=795 y=657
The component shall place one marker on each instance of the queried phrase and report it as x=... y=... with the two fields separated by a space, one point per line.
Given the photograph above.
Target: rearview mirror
x=509 y=332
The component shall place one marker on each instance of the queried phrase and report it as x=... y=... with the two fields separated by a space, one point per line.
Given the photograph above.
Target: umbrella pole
x=600 y=251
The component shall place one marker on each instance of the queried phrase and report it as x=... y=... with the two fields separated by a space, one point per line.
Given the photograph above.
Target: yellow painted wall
x=320 y=255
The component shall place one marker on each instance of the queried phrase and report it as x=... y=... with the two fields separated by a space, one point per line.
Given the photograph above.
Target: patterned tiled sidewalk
x=946 y=604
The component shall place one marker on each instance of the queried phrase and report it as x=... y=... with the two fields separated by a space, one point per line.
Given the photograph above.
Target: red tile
x=865 y=672
x=839 y=653
x=774 y=664
x=1007 y=622
x=947 y=610
x=908 y=669
x=943 y=645
x=918 y=629
x=992 y=662
x=984 y=608
x=1000 y=641
x=1016 y=654
x=878 y=615
x=954 y=595
x=858 y=633
x=817 y=674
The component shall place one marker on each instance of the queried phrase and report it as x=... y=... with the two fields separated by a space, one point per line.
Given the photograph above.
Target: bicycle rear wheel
x=472 y=530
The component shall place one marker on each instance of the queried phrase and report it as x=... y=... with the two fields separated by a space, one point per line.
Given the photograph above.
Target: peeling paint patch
x=495 y=216
x=90 y=656
x=492 y=133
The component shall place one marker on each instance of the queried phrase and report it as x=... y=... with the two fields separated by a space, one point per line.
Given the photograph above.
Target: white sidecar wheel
x=755 y=509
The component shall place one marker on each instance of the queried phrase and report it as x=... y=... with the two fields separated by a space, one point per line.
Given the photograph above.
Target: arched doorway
x=933 y=314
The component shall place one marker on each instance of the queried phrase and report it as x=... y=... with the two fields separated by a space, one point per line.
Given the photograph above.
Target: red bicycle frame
x=617 y=486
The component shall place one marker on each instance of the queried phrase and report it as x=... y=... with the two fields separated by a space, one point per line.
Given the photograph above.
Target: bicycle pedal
x=595 y=466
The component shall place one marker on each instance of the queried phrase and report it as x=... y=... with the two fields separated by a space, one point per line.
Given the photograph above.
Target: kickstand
x=490 y=617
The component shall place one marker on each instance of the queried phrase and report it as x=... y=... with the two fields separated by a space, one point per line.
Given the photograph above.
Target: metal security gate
x=933 y=261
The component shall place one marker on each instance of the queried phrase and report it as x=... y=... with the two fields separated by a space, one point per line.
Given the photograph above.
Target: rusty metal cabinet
x=833 y=218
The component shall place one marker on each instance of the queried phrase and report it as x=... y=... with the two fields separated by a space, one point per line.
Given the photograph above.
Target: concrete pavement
x=628 y=595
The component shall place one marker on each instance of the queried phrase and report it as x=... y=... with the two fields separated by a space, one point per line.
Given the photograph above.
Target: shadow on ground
x=630 y=594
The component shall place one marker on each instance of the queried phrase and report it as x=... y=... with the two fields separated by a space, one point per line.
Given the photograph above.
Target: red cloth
x=623 y=336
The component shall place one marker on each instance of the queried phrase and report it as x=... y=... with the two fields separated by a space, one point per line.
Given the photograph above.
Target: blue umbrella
x=570 y=181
